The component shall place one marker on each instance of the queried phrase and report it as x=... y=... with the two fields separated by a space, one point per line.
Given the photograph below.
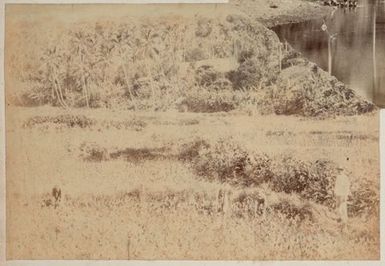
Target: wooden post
x=374 y=50
x=141 y=199
x=280 y=56
x=227 y=203
x=330 y=55
x=128 y=246
x=219 y=201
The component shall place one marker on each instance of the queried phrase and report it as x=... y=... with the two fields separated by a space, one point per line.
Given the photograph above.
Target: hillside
x=199 y=63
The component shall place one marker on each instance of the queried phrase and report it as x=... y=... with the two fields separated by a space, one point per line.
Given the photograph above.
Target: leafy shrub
x=320 y=186
x=311 y=180
x=290 y=175
x=138 y=155
x=310 y=91
x=206 y=75
x=195 y=54
x=228 y=162
x=91 y=151
x=258 y=170
x=135 y=124
x=189 y=151
x=224 y=161
x=204 y=28
x=245 y=55
x=364 y=199
x=33 y=94
x=291 y=58
x=222 y=84
x=203 y=100
x=246 y=75
x=292 y=211
x=249 y=203
x=68 y=120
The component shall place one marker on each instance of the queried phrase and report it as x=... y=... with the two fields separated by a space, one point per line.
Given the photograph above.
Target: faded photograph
x=239 y=131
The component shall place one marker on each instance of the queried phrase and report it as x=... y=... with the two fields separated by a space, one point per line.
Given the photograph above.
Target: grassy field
x=128 y=193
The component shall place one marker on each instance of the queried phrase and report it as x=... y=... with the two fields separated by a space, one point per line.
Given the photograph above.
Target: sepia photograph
x=246 y=130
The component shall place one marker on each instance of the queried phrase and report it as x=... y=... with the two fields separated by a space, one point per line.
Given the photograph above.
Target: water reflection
x=353 y=49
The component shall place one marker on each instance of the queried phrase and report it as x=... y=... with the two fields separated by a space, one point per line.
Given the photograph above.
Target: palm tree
x=80 y=53
x=52 y=61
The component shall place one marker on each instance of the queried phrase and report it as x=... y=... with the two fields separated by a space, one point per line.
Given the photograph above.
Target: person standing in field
x=342 y=191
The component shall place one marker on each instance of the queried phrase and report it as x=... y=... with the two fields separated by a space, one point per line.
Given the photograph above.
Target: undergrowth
x=228 y=162
x=192 y=65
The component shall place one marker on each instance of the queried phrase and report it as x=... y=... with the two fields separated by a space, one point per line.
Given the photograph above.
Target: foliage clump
x=149 y=64
x=208 y=101
x=228 y=162
x=67 y=120
x=146 y=64
x=309 y=91
x=91 y=151
x=364 y=198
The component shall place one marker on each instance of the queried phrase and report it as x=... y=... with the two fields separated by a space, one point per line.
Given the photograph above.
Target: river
x=358 y=55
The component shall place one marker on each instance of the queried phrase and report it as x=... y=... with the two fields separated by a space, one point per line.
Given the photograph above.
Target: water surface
x=357 y=59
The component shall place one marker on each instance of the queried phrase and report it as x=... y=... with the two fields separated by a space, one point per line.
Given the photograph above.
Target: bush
x=290 y=175
x=364 y=199
x=68 y=120
x=93 y=152
x=320 y=186
x=135 y=124
x=227 y=162
x=203 y=100
x=311 y=180
x=195 y=54
x=250 y=203
x=247 y=75
x=190 y=151
x=309 y=91
x=204 y=28
x=206 y=75
x=221 y=84
x=292 y=211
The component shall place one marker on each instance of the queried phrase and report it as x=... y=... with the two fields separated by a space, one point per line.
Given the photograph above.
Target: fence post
x=280 y=56
x=128 y=246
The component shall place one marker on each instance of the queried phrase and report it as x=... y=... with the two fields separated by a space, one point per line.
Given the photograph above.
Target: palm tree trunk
x=125 y=73
x=84 y=85
x=85 y=90
x=149 y=73
x=59 y=91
